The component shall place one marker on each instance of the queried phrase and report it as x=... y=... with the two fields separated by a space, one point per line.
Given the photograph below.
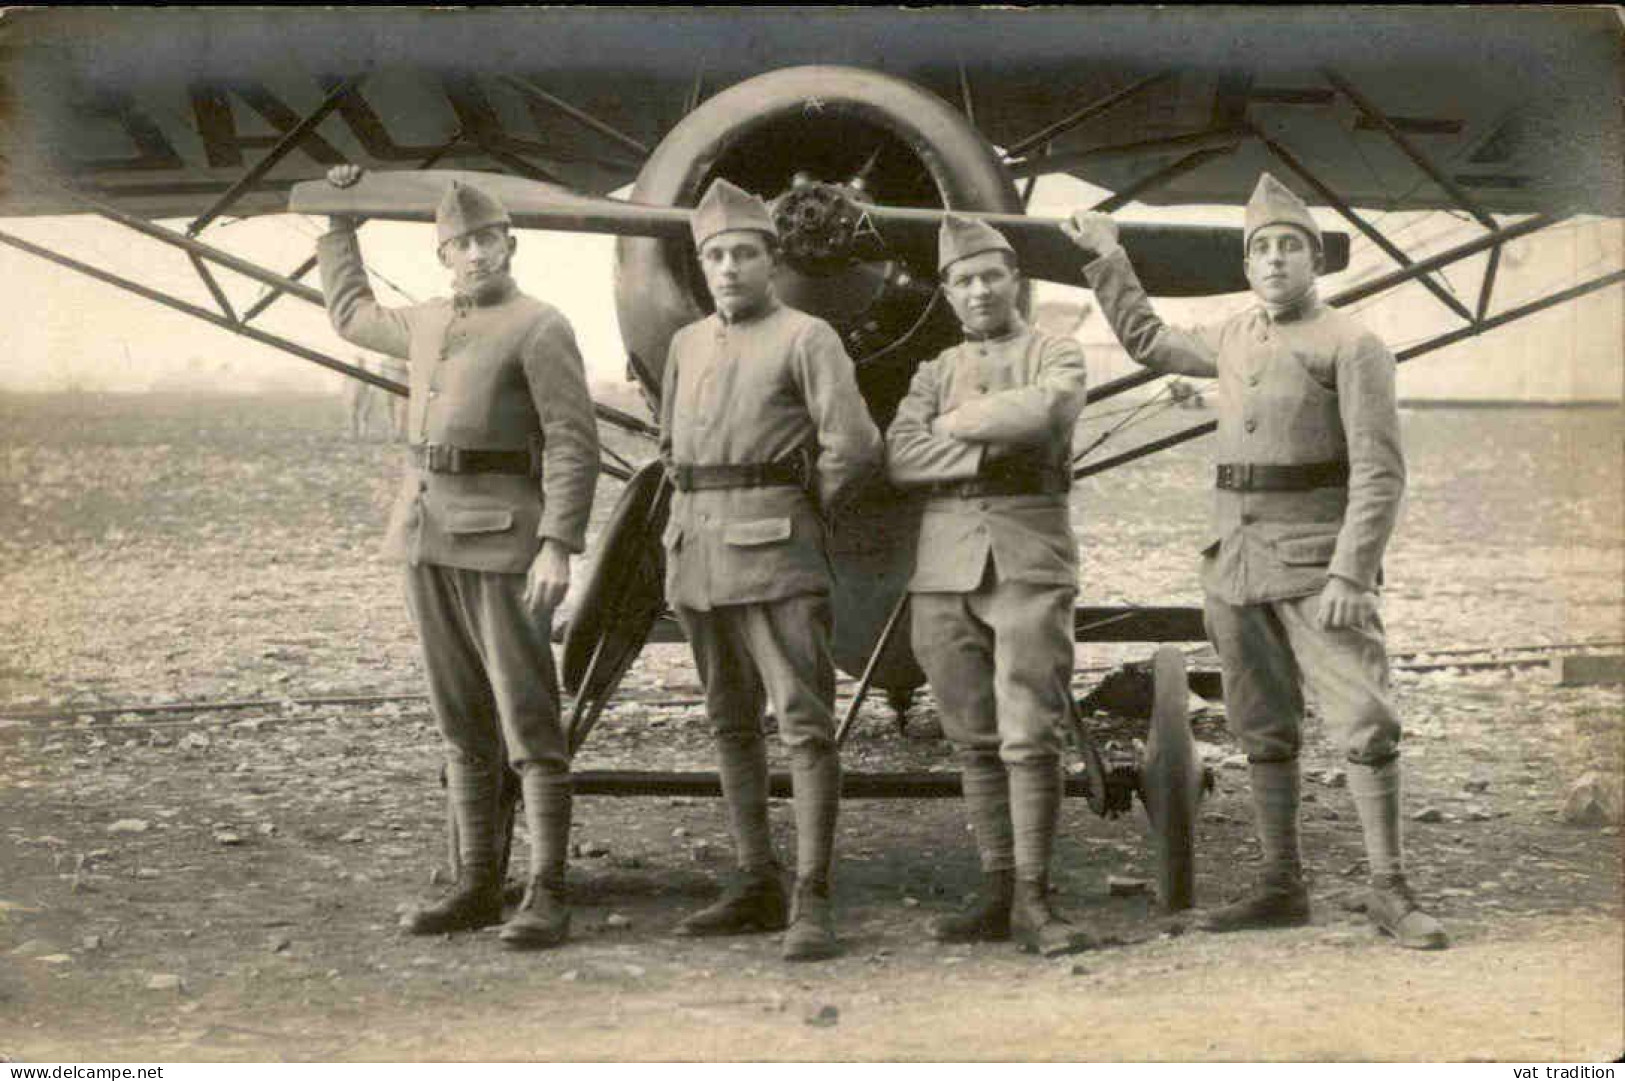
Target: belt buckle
x=440 y=457
x=1236 y=476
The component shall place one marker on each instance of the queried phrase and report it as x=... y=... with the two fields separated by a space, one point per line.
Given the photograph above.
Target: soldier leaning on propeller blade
x=763 y=431
x=1308 y=489
x=986 y=430
x=501 y=468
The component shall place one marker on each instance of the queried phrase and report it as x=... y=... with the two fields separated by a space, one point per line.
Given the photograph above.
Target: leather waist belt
x=706 y=478
x=444 y=458
x=1253 y=477
x=1046 y=483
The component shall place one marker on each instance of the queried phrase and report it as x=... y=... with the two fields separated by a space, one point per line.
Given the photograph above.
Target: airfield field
x=223 y=884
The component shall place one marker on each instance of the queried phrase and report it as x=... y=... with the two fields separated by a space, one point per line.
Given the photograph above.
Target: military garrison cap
x=959 y=238
x=464 y=209
x=1273 y=203
x=725 y=208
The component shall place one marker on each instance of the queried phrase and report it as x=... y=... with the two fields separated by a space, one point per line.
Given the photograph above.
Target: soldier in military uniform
x=1308 y=489
x=502 y=465
x=986 y=431
x=762 y=430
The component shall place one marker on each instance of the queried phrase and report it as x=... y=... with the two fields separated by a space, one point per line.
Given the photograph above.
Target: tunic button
x=1248 y=518
x=1251 y=425
x=982 y=505
x=1252 y=380
x=981 y=388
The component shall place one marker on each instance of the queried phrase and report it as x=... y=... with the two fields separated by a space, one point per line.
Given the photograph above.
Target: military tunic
x=995 y=576
x=499 y=375
x=1305 y=384
x=747 y=569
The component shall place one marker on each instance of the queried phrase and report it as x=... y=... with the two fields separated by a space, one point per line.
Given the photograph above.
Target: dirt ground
x=224 y=884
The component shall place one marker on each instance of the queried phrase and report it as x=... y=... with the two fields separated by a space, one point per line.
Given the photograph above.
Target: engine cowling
x=819 y=142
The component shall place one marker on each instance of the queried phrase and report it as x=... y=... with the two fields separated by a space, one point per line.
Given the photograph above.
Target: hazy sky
x=67 y=330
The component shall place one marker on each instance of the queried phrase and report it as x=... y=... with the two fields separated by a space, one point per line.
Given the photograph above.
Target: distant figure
x=363 y=400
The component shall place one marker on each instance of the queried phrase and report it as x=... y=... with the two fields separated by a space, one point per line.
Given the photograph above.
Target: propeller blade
x=1171 y=260
x=533 y=204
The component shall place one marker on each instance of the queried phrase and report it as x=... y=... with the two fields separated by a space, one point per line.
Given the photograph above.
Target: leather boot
x=752 y=901
x=811 y=936
x=1037 y=927
x=1278 y=899
x=475 y=902
x=1394 y=911
x=986 y=919
x=543 y=918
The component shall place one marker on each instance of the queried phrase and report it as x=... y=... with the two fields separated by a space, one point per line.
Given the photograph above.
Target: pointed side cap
x=464 y=209
x=960 y=237
x=726 y=207
x=1273 y=203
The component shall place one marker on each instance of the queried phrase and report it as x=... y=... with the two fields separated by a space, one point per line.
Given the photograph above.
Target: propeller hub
x=817 y=223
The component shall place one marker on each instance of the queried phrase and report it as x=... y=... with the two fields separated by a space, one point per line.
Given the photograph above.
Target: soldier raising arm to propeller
x=498 y=486
x=1307 y=492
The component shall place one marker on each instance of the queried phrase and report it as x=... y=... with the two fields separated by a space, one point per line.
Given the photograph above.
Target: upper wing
x=164 y=112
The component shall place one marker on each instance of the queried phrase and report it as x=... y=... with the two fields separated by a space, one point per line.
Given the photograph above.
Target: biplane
x=862 y=127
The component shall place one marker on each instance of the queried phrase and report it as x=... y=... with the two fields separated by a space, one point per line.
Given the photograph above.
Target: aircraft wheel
x=1171 y=782
x=623 y=591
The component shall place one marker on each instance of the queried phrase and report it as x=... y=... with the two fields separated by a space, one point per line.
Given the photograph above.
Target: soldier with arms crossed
x=751 y=396
x=986 y=429
x=503 y=461
x=1308 y=489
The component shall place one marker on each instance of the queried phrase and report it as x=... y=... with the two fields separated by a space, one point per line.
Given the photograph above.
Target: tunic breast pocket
x=755 y=534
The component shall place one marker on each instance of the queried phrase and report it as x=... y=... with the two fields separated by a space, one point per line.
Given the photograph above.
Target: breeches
x=1000 y=664
x=1272 y=651
x=491 y=679
x=776 y=652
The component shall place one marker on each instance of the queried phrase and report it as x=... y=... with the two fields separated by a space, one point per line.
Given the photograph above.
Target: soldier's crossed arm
x=915 y=454
x=1148 y=340
x=558 y=390
x=355 y=314
x=849 y=444
x=1034 y=414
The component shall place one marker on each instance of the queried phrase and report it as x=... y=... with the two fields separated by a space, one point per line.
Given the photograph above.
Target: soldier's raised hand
x=1092 y=231
x=343 y=176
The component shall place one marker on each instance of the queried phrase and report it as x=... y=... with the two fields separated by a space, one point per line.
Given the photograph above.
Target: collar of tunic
x=754 y=315
x=497 y=294
x=1016 y=327
x=1294 y=311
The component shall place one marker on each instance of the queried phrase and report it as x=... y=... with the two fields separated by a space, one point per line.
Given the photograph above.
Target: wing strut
x=1420 y=349
x=298 y=272
x=1290 y=160
x=580 y=116
x=293 y=138
x=200 y=252
x=1088 y=112
x=1355 y=293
